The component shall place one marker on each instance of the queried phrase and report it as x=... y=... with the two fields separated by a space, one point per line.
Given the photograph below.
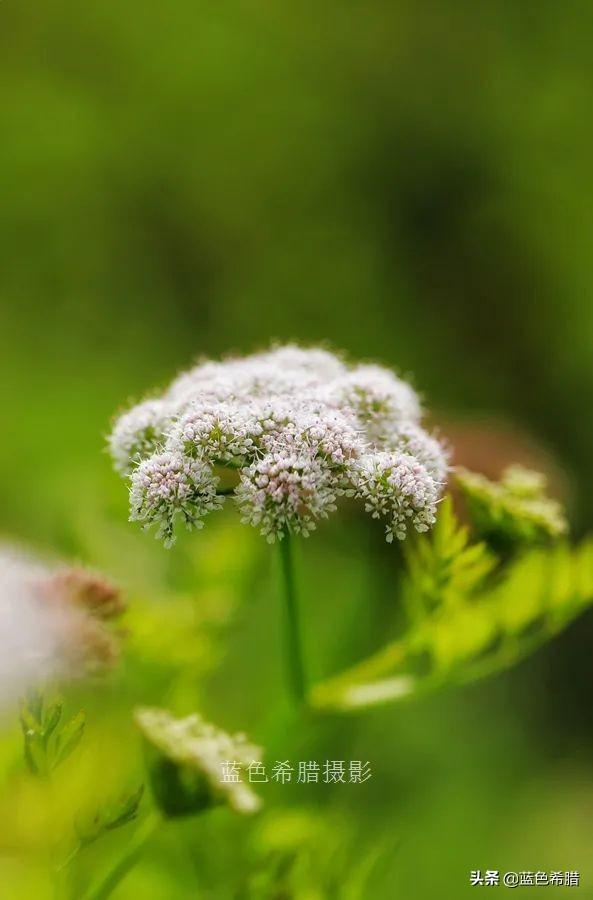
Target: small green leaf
x=69 y=738
x=34 y=755
x=127 y=811
x=34 y=705
x=51 y=719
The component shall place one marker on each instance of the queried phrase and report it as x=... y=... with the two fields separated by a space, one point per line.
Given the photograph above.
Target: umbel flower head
x=52 y=623
x=169 y=484
x=187 y=760
x=395 y=485
x=298 y=427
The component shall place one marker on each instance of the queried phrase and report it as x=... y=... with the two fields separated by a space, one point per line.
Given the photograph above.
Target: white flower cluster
x=167 y=485
x=298 y=428
x=395 y=485
x=203 y=749
x=286 y=490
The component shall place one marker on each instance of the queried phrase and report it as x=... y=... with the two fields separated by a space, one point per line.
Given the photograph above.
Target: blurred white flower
x=415 y=441
x=50 y=623
x=316 y=360
x=381 y=400
x=137 y=433
x=301 y=417
x=200 y=751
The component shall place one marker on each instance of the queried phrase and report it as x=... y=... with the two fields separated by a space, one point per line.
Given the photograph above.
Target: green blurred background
x=408 y=182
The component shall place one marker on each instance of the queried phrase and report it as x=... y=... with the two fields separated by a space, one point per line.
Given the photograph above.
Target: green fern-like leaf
x=514 y=511
x=470 y=614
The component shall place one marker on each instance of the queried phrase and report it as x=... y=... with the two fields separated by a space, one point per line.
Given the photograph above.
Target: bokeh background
x=408 y=182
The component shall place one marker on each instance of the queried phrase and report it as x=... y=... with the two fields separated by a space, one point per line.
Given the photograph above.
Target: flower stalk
x=294 y=646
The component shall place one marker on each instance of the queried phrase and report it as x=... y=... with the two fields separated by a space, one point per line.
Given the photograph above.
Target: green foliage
x=515 y=510
x=48 y=740
x=298 y=854
x=469 y=612
x=116 y=815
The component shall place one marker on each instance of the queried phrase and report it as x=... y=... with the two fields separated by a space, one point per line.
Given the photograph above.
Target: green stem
x=105 y=887
x=294 y=649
